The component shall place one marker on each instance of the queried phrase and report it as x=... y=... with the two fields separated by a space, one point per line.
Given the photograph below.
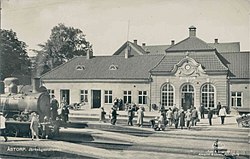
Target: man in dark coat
x=218 y=108
x=54 y=107
x=65 y=113
x=113 y=116
x=130 y=116
x=210 y=116
x=202 y=111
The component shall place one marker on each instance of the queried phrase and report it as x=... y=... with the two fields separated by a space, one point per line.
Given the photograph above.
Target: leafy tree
x=64 y=43
x=13 y=55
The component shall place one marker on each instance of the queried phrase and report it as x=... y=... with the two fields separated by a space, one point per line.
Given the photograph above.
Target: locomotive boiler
x=18 y=102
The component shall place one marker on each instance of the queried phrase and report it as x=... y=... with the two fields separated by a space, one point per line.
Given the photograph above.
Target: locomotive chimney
x=11 y=84
x=35 y=84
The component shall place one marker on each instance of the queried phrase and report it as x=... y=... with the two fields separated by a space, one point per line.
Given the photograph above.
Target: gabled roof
x=191 y=43
x=156 y=49
x=133 y=48
x=226 y=47
x=238 y=64
x=209 y=62
x=135 y=67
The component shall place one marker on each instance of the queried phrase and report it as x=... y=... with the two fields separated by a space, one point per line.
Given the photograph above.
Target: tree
x=64 y=43
x=13 y=55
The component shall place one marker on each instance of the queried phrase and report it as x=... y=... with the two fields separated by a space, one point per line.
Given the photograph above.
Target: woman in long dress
x=34 y=126
x=140 y=114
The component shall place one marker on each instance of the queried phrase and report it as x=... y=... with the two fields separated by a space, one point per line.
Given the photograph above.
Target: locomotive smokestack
x=35 y=84
x=11 y=84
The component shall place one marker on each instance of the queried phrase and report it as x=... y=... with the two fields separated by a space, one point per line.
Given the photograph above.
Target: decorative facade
x=184 y=74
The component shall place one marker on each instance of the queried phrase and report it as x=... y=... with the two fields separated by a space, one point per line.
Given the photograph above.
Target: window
x=83 y=95
x=127 y=97
x=142 y=97
x=167 y=95
x=51 y=92
x=236 y=99
x=208 y=95
x=108 y=96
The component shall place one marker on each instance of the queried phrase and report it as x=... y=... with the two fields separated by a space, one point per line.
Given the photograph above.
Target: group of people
x=131 y=114
x=181 y=118
x=176 y=117
x=54 y=111
x=118 y=103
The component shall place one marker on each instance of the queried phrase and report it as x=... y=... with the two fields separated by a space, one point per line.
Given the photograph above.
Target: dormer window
x=80 y=67
x=113 y=67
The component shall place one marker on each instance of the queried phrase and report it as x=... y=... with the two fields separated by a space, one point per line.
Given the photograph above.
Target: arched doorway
x=187 y=96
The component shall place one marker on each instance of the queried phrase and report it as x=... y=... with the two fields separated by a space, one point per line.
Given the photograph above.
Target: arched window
x=167 y=95
x=208 y=95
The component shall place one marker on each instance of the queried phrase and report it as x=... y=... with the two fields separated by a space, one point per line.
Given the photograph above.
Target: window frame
x=167 y=96
x=85 y=94
x=143 y=97
x=108 y=97
x=51 y=92
x=127 y=96
x=236 y=98
x=208 y=95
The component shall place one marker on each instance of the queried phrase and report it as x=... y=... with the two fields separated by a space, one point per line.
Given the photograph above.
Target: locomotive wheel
x=13 y=131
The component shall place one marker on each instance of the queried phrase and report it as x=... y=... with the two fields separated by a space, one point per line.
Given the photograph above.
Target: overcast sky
x=105 y=22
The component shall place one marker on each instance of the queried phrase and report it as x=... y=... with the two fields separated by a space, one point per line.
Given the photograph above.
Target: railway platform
x=103 y=140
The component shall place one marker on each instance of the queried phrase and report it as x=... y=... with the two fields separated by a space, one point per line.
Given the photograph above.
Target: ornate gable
x=188 y=67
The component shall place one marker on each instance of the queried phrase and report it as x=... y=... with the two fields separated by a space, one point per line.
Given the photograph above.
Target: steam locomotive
x=18 y=102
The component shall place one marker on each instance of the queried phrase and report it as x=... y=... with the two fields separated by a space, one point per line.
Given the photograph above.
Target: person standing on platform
x=113 y=115
x=210 y=116
x=130 y=115
x=176 y=117
x=169 y=115
x=218 y=108
x=3 y=126
x=194 y=115
x=140 y=113
x=54 y=107
x=202 y=111
x=65 y=114
x=102 y=115
x=188 y=118
x=34 y=124
x=223 y=114
x=182 y=119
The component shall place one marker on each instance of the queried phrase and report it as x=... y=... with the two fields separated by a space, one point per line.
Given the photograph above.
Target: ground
x=85 y=138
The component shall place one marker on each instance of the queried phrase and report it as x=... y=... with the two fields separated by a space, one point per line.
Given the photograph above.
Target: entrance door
x=187 y=96
x=96 y=100
x=64 y=96
x=187 y=101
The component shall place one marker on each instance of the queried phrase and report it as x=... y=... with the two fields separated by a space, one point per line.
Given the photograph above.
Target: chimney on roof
x=143 y=44
x=172 y=42
x=216 y=41
x=127 y=51
x=192 y=31
x=89 y=53
x=135 y=42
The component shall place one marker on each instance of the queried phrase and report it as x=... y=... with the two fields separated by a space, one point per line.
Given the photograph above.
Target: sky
x=108 y=24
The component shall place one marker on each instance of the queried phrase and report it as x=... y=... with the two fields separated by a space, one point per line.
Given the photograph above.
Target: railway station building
x=182 y=74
